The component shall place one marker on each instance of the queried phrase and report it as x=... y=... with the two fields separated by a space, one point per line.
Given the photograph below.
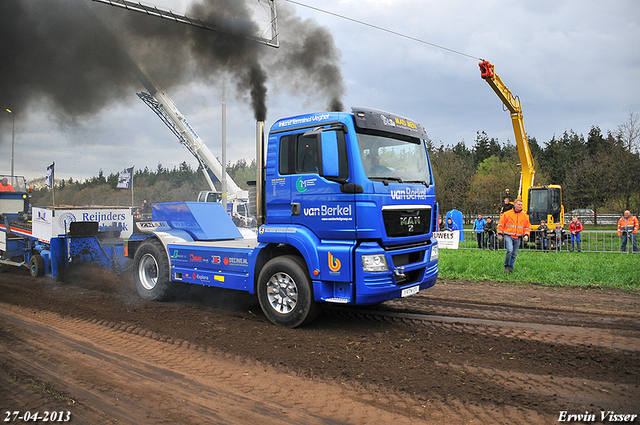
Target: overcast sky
x=573 y=64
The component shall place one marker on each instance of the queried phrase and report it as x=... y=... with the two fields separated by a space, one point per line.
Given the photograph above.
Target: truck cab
x=14 y=196
x=357 y=187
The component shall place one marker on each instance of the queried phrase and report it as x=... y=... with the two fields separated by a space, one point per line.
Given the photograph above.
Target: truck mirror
x=329 y=149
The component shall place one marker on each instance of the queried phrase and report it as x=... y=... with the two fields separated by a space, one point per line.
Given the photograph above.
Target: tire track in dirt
x=599 y=395
x=121 y=373
x=557 y=334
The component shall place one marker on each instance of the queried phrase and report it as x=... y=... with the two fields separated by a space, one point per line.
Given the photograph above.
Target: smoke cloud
x=73 y=55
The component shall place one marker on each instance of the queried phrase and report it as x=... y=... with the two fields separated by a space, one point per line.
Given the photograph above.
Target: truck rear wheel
x=151 y=274
x=36 y=265
x=285 y=292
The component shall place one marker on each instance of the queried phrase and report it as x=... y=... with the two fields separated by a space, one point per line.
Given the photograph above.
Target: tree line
x=181 y=183
x=599 y=171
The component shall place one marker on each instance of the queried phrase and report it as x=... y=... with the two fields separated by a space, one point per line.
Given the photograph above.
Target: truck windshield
x=12 y=184
x=386 y=157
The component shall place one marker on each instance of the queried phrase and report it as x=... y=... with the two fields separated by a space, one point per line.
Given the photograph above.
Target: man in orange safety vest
x=627 y=228
x=514 y=224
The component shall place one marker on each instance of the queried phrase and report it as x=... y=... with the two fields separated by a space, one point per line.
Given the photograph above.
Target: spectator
x=514 y=224
x=146 y=208
x=575 y=227
x=628 y=229
x=490 y=230
x=557 y=236
x=451 y=226
x=478 y=227
x=507 y=206
x=544 y=235
x=5 y=186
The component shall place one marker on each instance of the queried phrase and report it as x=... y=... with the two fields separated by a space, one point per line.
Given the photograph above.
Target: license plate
x=410 y=291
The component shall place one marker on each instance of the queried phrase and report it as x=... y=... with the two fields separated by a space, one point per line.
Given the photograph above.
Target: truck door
x=317 y=201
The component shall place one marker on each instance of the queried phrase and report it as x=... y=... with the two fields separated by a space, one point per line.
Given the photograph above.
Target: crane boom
x=160 y=102
x=513 y=105
x=540 y=202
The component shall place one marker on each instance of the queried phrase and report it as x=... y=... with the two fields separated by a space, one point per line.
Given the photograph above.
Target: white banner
x=448 y=240
x=46 y=225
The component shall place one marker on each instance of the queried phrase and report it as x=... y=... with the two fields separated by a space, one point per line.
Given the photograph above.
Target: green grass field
x=548 y=268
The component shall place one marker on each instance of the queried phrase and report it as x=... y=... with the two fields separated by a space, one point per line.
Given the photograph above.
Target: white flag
x=48 y=180
x=125 y=179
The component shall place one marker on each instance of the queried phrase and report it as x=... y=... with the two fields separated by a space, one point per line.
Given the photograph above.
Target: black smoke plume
x=73 y=55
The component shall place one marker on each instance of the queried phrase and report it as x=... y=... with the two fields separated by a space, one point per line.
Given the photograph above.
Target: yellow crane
x=540 y=202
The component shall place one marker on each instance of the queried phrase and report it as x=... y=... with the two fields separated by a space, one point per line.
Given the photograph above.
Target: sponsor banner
x=198 y=258
x=309 y=119
x=46 y=224
x=448 y=240
x=409 y=194
x=334 y=212
x=219 y=278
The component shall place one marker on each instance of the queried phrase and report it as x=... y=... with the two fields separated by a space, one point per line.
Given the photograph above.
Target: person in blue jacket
x=451 y=226
x=478 y=227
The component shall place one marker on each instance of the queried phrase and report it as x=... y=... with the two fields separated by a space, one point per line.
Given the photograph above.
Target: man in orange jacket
x=5 y=186
x=513 y=225
x=628 y=228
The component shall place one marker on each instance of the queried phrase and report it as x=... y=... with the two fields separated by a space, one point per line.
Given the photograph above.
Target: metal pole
x=13 y=140
x=13 y=137
x=260 y=210
x=224 y=139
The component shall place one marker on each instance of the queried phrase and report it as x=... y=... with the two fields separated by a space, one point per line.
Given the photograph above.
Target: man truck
x=346 y=212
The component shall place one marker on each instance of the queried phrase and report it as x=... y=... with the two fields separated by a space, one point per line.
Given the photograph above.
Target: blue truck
x=346 y=212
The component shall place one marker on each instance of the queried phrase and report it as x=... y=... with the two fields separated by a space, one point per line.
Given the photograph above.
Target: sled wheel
x=36 y=265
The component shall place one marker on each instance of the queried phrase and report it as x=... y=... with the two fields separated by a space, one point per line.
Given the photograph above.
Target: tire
x=36 y=265
x=151 y=274
x=285 y=292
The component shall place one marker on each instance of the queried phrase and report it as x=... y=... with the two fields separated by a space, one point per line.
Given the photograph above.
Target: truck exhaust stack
x=260 y=213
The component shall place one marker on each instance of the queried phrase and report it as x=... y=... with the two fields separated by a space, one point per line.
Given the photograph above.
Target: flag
x=48 y=180
x=125 y=179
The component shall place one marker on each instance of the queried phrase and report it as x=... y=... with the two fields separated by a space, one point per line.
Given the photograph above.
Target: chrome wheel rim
x=282 y=293
x=148 y=272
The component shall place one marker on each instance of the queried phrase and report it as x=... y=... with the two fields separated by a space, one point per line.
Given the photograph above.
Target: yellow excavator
x=540 y=202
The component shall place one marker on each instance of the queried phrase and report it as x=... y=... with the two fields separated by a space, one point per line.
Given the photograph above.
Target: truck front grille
x=406 y=222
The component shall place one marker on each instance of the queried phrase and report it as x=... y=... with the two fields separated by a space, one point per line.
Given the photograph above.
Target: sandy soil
x=487 y=353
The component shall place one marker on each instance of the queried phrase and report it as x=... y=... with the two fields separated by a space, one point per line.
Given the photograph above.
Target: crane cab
x=545 y=203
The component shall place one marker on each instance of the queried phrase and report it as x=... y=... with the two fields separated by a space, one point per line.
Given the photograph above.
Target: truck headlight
x=374 y=263
x=434 y=252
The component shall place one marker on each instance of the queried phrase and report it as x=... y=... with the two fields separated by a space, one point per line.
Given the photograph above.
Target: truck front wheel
x=151 y=274
x=285 y=293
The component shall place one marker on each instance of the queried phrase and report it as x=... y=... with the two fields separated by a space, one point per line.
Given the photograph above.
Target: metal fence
x=584 y=219
x=591 y=241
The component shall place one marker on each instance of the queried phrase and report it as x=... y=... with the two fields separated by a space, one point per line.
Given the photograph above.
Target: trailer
x=49 y=240
x=346 y=212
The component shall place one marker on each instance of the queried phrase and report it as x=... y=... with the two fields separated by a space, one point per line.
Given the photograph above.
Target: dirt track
x=487 y=353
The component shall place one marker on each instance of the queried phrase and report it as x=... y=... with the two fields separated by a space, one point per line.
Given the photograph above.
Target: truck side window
x=299 y=154
x=285 y=161
x=307 y=154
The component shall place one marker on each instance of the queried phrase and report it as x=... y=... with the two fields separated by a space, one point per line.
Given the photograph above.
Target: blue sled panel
x=204 y=221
